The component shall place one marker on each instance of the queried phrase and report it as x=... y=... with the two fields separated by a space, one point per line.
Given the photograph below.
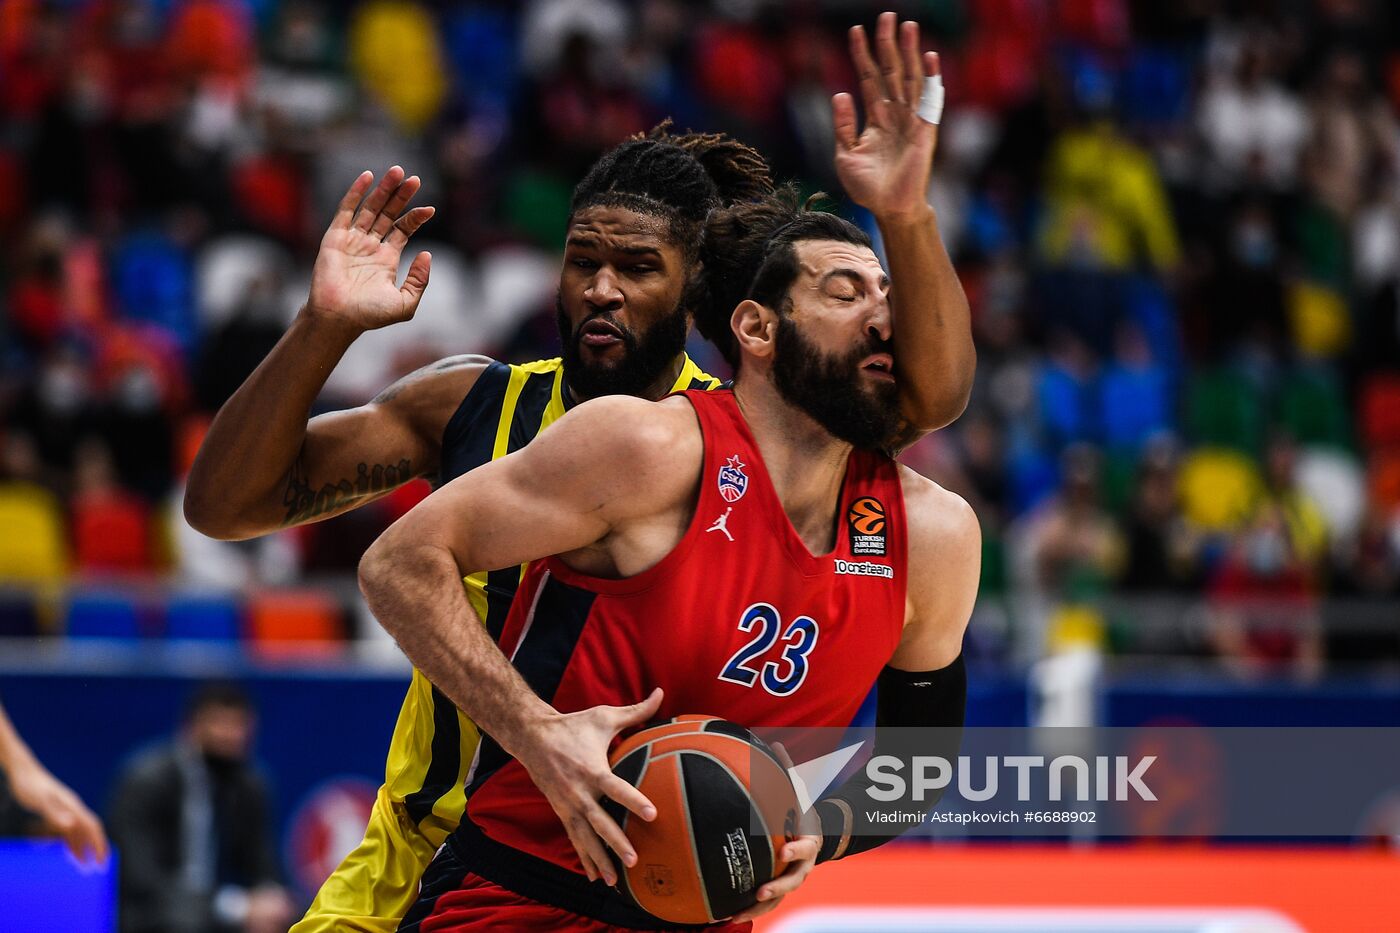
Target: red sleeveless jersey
x=739 y=621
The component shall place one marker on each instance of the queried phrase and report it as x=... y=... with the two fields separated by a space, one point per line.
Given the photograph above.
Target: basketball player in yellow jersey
x=631 y=279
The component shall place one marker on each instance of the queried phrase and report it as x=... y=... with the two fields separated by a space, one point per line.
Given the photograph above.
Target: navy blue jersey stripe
x=525 y=422
x=445 y=763
x=529 y=410
x=471 y=433
x=542 y=657
x=466 y=444
x=444 y=873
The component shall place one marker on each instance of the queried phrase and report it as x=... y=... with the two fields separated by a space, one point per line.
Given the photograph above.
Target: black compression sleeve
x=934 y=700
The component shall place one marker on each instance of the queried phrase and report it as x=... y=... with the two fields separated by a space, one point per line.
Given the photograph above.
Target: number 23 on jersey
x=780 y=676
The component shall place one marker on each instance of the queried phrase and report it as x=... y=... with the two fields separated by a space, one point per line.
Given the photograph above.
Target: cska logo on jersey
x=733 y=481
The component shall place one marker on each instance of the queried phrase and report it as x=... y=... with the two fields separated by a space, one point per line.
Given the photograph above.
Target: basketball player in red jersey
x=716 y=553
x=629 y=282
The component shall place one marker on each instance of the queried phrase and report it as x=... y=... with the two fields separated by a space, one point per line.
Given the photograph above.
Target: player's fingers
x=378 y=198
x=416 y=282
x=87 y=839
x=930 y=107
x=585 y=859
x=593 y=845
x=891 y=67
x=913 y=68
x=345 y=210
x=607 y=829
x=843 y=118
x=790 y=880
x=615 y=788
x=65 y=823
x=781 y=751
x=408 y=225
x=395 y=206
x=97 y=839
x=804 y=849
x=637 y=713
x=780 y=887
x=867 y=76
x=765 y=906
x=586 y=845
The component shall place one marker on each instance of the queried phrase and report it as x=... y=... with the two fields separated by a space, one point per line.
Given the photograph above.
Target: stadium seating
x=1311 y=408
x=111 y=532
x=285 y=623
x=1224 y=410
x=32 y=548
x=203 y=617
x=1380 y=410
x=19 y=614
x=1384 y=476
x=102 y=614
x=1218 y=487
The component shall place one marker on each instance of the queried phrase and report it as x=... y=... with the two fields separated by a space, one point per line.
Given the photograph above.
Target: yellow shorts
x=377 y=882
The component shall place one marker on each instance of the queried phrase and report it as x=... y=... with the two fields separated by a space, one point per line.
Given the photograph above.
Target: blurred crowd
x=1178 y=225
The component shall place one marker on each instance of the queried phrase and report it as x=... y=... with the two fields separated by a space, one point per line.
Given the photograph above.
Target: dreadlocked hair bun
x=679 y=177
x=738 y=171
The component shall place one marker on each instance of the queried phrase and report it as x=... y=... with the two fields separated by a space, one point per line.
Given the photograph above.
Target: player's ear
x=754 y=325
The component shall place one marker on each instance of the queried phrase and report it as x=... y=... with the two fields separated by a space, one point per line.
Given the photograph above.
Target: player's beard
x=646 y=355
x=828 y=387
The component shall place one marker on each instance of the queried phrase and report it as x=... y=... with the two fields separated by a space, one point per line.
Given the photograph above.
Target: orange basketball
x=725 y=806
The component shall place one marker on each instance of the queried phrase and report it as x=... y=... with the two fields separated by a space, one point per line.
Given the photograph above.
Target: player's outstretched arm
x=597 y=488
x=49 y=798
x=262 y=467
x=885 y=168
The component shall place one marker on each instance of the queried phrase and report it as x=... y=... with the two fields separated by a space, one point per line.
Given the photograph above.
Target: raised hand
x=568 y=760
x=354 y=281
x=885 y=168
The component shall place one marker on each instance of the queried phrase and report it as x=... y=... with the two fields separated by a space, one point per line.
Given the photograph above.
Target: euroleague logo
x=867 y=525
x=326 y=827
x=733 y=481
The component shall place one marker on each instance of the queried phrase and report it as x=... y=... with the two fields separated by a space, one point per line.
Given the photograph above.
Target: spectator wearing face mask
x=1264 y=618
x=192 y=820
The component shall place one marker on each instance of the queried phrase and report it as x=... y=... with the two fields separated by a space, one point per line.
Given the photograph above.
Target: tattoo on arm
x=304 y=503
x=390 y=392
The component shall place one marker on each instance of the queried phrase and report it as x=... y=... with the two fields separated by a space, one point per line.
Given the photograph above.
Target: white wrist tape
x=931 y=101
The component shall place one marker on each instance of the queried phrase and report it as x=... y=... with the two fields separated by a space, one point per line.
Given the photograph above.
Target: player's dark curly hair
x=748 y=252
x=679 y=177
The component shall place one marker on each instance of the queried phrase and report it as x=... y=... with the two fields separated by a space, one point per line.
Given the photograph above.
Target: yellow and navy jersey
x=434 y=743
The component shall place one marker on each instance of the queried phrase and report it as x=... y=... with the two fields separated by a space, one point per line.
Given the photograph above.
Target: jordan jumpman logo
x=720 y=523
